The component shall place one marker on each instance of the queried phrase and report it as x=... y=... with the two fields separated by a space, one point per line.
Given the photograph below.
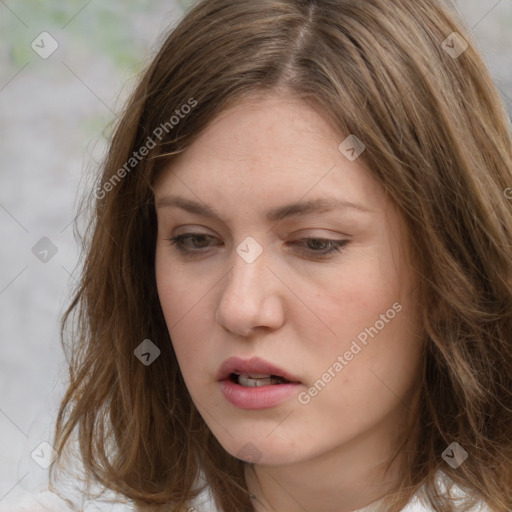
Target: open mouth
x=256 y=380
x=255 y=383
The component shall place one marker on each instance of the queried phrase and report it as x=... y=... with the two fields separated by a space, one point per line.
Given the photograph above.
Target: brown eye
x=199 y=241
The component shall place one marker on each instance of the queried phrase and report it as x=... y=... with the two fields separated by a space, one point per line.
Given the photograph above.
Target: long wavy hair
x=437 y=138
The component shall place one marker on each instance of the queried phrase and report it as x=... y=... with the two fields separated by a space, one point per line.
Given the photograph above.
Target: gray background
x=55 y=116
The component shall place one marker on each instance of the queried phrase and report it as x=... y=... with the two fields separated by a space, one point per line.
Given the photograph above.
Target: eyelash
x=336 y=246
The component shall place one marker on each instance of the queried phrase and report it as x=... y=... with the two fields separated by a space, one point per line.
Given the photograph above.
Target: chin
x=259 y=450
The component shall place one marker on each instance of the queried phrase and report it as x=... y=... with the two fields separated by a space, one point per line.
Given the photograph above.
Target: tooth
x=258 y=375
x=255 y=383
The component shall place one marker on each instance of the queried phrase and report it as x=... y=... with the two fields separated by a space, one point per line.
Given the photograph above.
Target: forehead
x=268 y=126
x=271 y=145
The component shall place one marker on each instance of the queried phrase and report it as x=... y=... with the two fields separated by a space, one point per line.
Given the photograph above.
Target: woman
x=297 y=293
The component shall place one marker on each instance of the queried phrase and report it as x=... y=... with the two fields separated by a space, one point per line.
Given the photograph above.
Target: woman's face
x=266 y=270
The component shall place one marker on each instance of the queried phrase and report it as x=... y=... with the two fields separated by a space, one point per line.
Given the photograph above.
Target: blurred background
x=65 y=70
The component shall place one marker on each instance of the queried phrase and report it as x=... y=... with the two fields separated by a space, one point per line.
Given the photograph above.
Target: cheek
x=372 y=318
x=375 y=358
x=355 y=301
x=186 y=302
x=179 y=292
x=177 y=299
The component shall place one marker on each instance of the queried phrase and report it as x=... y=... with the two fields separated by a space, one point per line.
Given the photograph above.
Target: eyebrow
x=274 y=215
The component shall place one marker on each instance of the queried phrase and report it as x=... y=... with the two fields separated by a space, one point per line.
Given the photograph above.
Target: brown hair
x=437 y=138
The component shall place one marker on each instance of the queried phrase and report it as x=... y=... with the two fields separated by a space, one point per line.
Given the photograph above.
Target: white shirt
x=47 y=501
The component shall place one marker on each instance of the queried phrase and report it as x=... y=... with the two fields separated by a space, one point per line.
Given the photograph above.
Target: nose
x=252 y=298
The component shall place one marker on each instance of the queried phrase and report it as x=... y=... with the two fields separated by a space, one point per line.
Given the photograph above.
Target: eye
x=312 y=247
x=320 y=247
x=179 y=241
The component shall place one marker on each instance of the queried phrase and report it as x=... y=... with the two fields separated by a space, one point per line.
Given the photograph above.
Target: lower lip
x=261 y=397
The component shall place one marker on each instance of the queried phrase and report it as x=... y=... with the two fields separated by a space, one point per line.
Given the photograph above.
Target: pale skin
x=291 y=306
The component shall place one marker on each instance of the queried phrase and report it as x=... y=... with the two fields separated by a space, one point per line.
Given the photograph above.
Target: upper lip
x=251 y=366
